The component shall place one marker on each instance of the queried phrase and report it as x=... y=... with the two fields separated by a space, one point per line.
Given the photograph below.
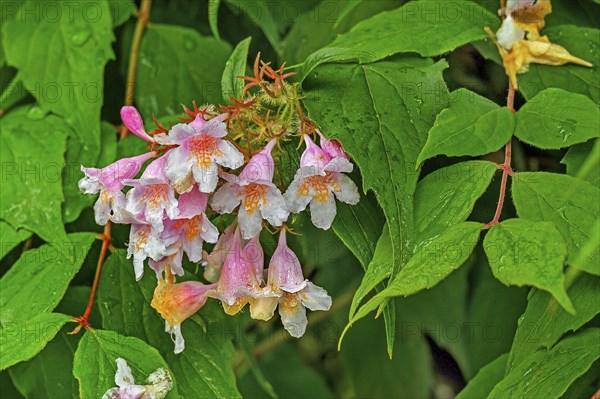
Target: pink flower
x=177 y=302
x=146 y=242
x=200 y=149
x=238 y=283
x=109 y=182
x=254 y=189
x=159 y=384
x=153 y=195
x=320 y=177
x=290 y=291
x=133 y=121
x=192 y=227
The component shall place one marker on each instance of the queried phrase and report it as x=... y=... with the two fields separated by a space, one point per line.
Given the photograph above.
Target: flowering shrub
x=434 y=162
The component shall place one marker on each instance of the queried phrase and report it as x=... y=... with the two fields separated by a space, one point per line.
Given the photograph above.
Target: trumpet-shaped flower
x=146 y=242
x=153 y=195
x=316 y=182
x=159 y=383
x=238 y=283
x=200 y=148
x=254 y=190
x=109 y=182
x=291 y=292
x=177 y=302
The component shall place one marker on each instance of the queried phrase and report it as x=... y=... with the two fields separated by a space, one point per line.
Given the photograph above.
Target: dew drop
x=81 y=37
x=36 y=113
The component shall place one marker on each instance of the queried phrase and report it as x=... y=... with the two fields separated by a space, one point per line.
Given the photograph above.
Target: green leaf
x=578 y=12
x=525 y=252
x=581 y=42
x=583 y=161
x=50 y=373
x=8 y=388
x=472 y=125
x=262 y=14
x=74 y=49
x=203 y=368
x=95 y=363
x=32 y=147
x=359 y=227
x=493 y=311
x=192 y=71
x=231 y=85
x=13 y=91
x=548 y=374
x=433 y=261
x=24 y=339
x=469 y=314
x=366 y=363
x=10 y=238
x=556 y=118
x=447 y=196
x=571 y=204
x=75 y=200
x=381 y=114
x=121 y=11
x=321 y=25
x=426 y=27
x=544 y=321
x=482 y=384
x=213 y=17
x=38 y=280
x=379 y=269
x=277 y=363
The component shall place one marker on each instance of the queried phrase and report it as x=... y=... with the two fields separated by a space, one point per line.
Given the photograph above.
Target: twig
x=143 y=18
x=506 y=166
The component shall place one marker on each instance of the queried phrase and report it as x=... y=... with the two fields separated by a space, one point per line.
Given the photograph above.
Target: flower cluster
x=190 y=169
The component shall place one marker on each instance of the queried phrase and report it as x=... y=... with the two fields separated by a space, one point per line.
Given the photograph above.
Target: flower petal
x=123 y=377
x=263 y=308
x=322 y=214
x=178 y=169
x=207 y=177
x=339 y=165
x=208 y=231
x=215 y=127
x=176 y=136
x=274 y=210
x=315 y=297
x=226 y=199
x=347 y=191
x=293 y=318
x=229 y=156
x=295 y=199
x=250 y=224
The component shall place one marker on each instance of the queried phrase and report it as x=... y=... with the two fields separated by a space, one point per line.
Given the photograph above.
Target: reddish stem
x=84 y=320
x=143 y=18
x=506 y=166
